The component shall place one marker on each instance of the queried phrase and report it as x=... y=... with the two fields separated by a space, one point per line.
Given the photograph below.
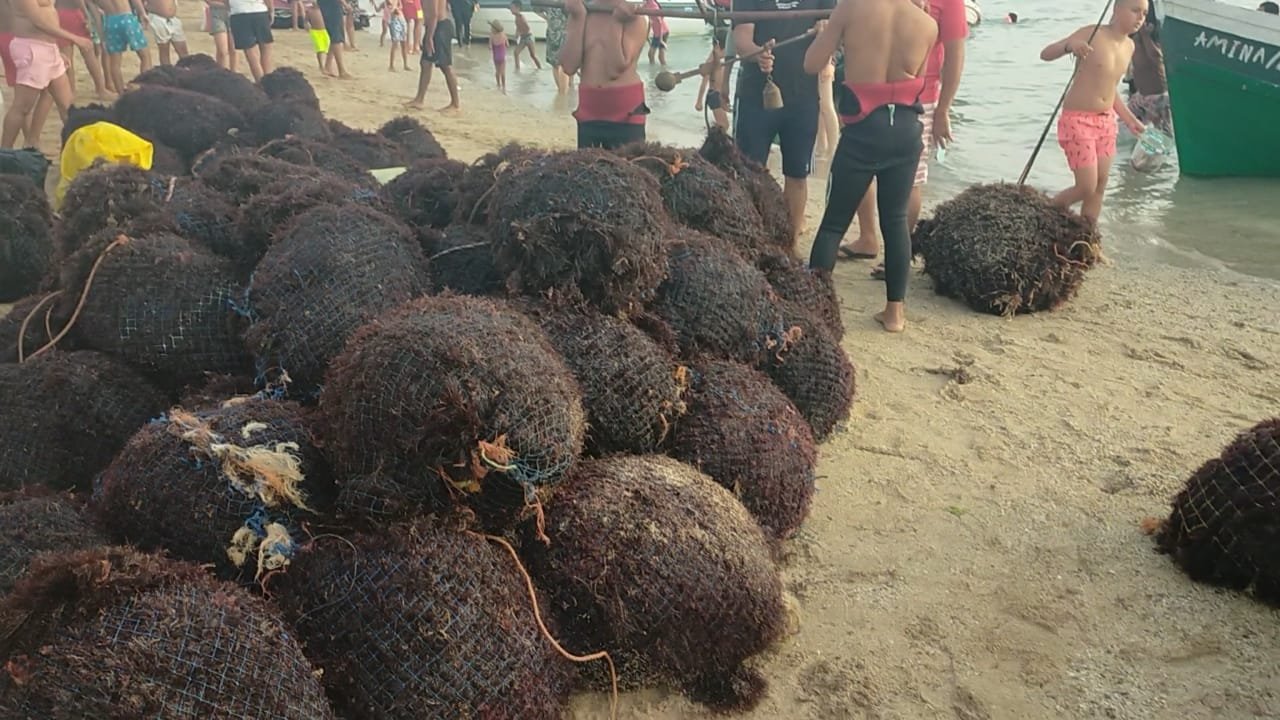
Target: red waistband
x=617 y=103
x=872 y=96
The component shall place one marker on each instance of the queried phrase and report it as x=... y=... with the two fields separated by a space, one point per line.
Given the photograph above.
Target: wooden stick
x=693 y=15
x=667 y=81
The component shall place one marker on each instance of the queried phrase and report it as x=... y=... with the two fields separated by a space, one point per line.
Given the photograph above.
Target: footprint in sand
x=839 y=688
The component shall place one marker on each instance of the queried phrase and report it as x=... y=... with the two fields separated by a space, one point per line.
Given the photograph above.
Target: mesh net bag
x=336 y=268
x=226 y=485
x=425 y=194
x=278 y=120
x=652 y=561
x=454 y=397
x=746 y=435
x=765 y=191
x=793 y=281
x=66 y=414
x=462 y=261
x=273 y=210
x=287 y=84
x=312 y=153
x=814 y=372
x=79 y=116
x=159 y=301
x=631 y=388
x=1225 y=526
x=369 y=149
x=203 y=214
x=106 y=196
x=716 y=303
x=112 y=633
x=700 y=195
x=34 y=521
x=188 y=122
x=586 y=219
x=43 y=325
x=423 y=621
x=26 y=243
x=1005 y=249
x=242 y=175
x=232 y=88
x=196 y=61
x=475 y=187
x=414 y=139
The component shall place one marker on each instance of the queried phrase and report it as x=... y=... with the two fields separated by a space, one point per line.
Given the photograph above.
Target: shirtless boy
x=437 y=51
x=524 y=35
x=166 y=26
x=73 y=18
x=605 y=47
x=122 y=30
x=1087 y=129
x=37 y=64
x=319 y=35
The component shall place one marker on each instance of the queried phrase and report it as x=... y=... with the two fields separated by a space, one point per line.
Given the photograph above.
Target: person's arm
x=1127 y=117
x=823 y=48
x=744 y=34
x=1073 y=44
x=30 y=10
x=140 y=9
x=635 y=34
x=575 y=29
x=430 y=18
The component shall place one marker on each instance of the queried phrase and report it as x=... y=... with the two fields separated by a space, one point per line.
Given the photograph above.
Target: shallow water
x=1005 y=100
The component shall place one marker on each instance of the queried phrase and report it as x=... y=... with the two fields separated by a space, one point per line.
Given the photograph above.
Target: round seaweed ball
x=231 y=87
x=425 y=194
x=240 y=176
x=312 y=153
x=333 y=270
x=165 y=75
x=371 y=150
x=271 y=211
x=718 y=304
x=746 y=435
x=1005 y=249
x=66 y=414
x=813 y=371
x=43 y=326
x=112 y=633
x=287 y=84
x=281 y=119
x=26 y=242
x=655 y=563
x=36 y=520
x=454 y=394
x=1225 y=522
x=106 y=196
x=461 y=260
x=414 y=138
x=475 y=187
x=79 y=116
x=215 y=389
x=161 y=302
x=166 y=161
x=226 y=485
x=584 y=219
x=189 y=122
x=631 y=388
x=203 y=214
x=794 y=281
x=423 y=621
x=759 y=183
x=197 y=61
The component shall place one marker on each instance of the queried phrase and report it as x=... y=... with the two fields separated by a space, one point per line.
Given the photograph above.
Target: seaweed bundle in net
x=203 y=214
x=66 y=414
x=425 y=194
x=112 y=633
x=196 y=61
x=159 y=301
x=26 y=245
x=631 y=388
x=423 y=621
x=1225 y=526
x=718 y=304
x=43 y=325
x=746 y=435
x=1006 y=249
x=214 y=389
x=230 y=87
x=414 y=138
x=793 y=280
x=764 y=190
x=333 y=270
x=188 y=122
x=79 y=116
x=106 y=196
x=36 y=520
x=278 y=120
x=166 y=75
x=371 y=150
x=701 y=196
x=584 y=219
x=273 y=210
x=813 y=371
x=475 y=188
x=227 y=485
x=655 y=563
x=454 y=396
x=242 y=175
x=287 y=84
x=312 y=153
x=462 y=261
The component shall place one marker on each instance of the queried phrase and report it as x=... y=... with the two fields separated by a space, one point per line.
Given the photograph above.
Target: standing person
x=463 y=13
x=524 y=35
x=942 y=81
x=38 y=66
x=73 y=17
x=250 y=25
x=796 y=124
x=399 y=36
x=828 y=120
x=166 y=26
x=319 y=36
x=121 y=31
x=711 y=90
x=498 y=46
x=659 y=33
x=219 y=15
x=437 y=44
x=1087 y=127
x=413 y=18
x=334 y=14
x=605 y=47
x=1149 y=93
x=887 y=45
x=556 y=21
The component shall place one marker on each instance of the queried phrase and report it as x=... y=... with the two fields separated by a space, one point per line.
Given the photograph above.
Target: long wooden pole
x=692 y=15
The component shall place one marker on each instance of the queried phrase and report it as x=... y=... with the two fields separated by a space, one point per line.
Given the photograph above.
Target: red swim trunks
x=73 y=21
x=10 y=72
x=1086 y=137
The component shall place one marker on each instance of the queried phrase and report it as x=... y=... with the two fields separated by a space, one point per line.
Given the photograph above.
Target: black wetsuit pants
x=884 y=146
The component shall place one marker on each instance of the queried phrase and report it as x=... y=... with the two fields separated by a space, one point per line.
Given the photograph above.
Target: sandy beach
x=974 y=549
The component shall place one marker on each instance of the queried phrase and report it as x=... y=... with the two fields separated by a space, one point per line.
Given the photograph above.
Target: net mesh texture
x=26 y=238
x=813 y=371
x=35 y=521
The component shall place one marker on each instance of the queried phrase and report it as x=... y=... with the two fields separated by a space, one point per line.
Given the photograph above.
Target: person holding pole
x=605 y=47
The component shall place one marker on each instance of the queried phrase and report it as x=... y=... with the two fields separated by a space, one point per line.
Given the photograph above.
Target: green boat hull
x=1225 y=99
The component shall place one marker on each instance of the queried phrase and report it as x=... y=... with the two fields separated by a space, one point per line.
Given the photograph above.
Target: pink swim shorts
x=1087 y=136
x=37 y=62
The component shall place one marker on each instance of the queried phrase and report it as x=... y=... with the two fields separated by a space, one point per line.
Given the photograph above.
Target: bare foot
x=451 y=108
x=107 y=96
x=347 y=76
x=864 y=248
x=392 y=68
x=893 y=322
x=414 y=104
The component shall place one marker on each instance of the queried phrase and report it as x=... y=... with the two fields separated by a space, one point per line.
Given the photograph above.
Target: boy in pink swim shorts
x=37 y=64
x=1087 y=129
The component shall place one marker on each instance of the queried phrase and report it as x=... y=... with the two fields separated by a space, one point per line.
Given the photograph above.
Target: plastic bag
x=99 y=141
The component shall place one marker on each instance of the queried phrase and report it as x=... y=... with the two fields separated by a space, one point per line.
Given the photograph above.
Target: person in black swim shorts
x=437 y=51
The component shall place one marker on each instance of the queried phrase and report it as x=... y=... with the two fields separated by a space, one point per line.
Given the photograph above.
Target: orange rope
x=22 y=330
x=537 y=615
x=84 y=295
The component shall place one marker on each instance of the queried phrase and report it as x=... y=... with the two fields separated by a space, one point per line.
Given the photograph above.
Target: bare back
x=610 y=50
x=115 y=7
x=886 y=40
x=1094 y=87
x=24 y=14
x=163 y=8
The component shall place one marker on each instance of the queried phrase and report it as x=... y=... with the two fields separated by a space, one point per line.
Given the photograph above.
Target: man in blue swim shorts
x=121 y=31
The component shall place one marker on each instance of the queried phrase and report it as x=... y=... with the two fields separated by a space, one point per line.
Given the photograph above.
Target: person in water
x=605 y=47
x=1148 y=89
x=887 y=46
x=498 y=46
x=1087 y=128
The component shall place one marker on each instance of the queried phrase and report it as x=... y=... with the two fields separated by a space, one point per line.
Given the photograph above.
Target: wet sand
x=974 y=549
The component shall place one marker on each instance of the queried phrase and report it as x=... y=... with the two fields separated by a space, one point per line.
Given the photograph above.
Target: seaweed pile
x=424 y=443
